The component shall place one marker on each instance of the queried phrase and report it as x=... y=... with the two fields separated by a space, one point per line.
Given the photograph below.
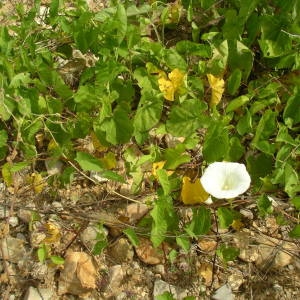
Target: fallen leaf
x=206 y=272
x=237 y=225
x=207 y=245
x=78 y=276
x=217 y=86
x=52 y=233
x=148 y=254
x=96 y=143
x=38 y=182
x=192 y=192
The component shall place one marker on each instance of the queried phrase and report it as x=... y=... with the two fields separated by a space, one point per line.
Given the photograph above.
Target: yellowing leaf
x=7 y=174
x=192 y=192
x=38 y=182
x=109 y=161
x=52 y=145
x=96 y=143
x=217 y=87
x=237 y=225
x=169 y=86
x=52 y=233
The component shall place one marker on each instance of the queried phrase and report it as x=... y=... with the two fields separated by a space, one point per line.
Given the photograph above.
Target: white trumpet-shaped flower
x=225 y=180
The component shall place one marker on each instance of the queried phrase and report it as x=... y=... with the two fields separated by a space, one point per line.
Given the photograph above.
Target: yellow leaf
x=157 y=166
x=192 y=192
x=217 y=87
x=167 y=88
x=109 y=161
x=52 y=233
x=52 y=146
x=177 y=78
x=37 y=182
x=171 y=84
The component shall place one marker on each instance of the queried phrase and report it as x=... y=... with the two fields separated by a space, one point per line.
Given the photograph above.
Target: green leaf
x=164 y=181
x=274 y=42
x=200 y=223
x=88 y=162
x=3 y=137
x=57 y=260
x=187 y=47
x=42 y=253
x=225 y=217
x=265 y=128
x=291 y=114
x=164 y=218
x=174 y=157
x=244 y=124
x=236 y=149
x=227 y=253
x=165 y=296
x=112 y=176
x=234 y=81
x=216 y=143
x=296 y=202
x=186 y=118
x=264 y=205
x=118 y=128
x=121 y=22
x=184 y=243
x=259 y=165
x=174 y=60
x=99 y=247
x=292 y=183
x=295 y=232
x=148 y=112
x=133 y=238
x=236 y=103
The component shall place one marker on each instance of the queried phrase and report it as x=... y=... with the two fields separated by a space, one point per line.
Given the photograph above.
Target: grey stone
x=161 y=286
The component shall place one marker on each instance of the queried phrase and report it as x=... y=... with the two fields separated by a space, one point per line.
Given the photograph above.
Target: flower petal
x=225 y=180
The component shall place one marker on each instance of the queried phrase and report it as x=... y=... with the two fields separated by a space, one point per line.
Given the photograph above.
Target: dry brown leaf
x=207 y=245
x=79 y=274
x=148 y=254
x=206 y=272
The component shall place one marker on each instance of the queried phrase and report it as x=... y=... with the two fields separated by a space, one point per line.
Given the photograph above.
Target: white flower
x=225 y=179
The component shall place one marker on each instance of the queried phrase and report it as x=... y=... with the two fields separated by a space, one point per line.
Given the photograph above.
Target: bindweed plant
x=167 y=88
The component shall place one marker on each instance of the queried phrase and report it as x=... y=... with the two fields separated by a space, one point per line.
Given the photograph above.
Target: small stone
x=13 y=249
x=235 y=280
x=136 y=211
x=25 y=214
x=161 y=286
x=160 y=269
x=32 y=294
x=13 y=221
x=121 y=251
x=90 y=235
x=223 y=293
x=247 y=213
x=116 y=275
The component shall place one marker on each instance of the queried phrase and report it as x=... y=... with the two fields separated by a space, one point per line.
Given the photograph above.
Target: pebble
x=116 y=275
x=13 y=249
x=121 y=251
x=161 y=286
x=13 y=221
x=38 y=294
